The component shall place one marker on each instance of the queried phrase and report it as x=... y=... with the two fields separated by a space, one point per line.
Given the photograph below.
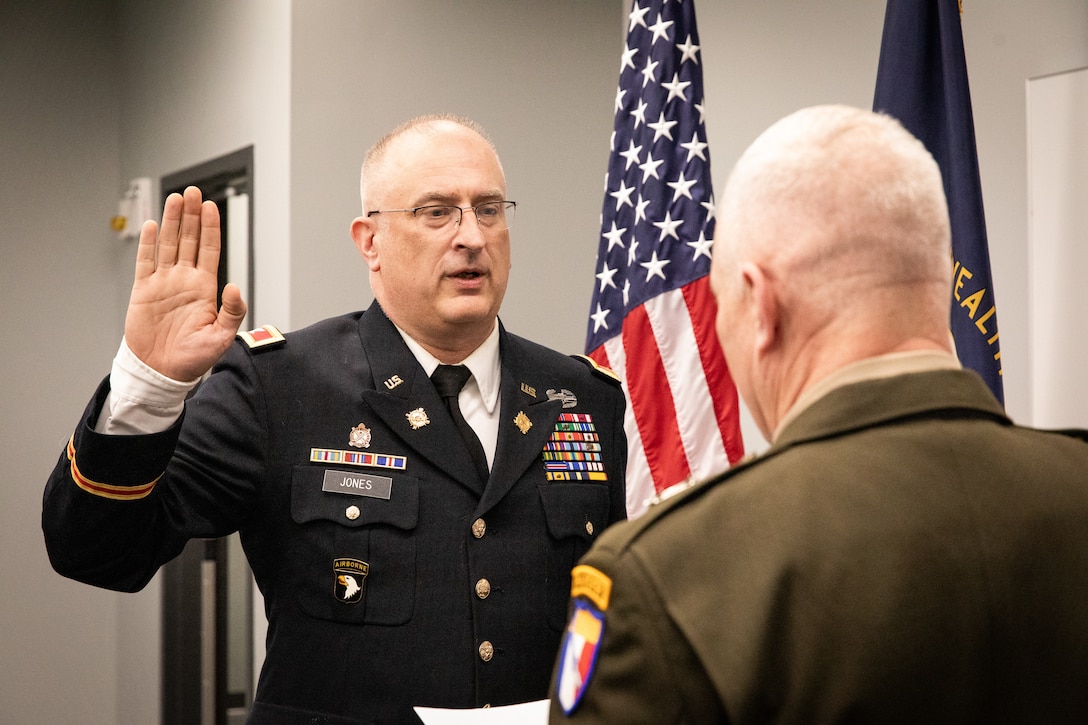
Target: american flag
x=652 y=315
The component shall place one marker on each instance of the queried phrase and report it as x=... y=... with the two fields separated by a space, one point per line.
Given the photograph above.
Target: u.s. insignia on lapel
x=417 y=418
x=359 y=436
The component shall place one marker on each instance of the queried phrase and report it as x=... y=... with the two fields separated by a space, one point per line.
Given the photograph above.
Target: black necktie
x=448 y=380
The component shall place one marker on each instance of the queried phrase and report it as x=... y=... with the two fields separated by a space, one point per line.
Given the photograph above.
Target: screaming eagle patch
x=348 y=578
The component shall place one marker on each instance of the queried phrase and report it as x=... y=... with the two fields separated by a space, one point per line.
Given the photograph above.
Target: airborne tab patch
x=591 y=583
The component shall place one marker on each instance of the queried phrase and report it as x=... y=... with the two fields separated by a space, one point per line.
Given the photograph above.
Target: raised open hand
x=172 y=324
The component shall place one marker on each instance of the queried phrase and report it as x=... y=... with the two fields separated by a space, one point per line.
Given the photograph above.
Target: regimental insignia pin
x=528 y=390
x=393 y=382
x=417 y=418
x=570 y=400
x=262 y=336
x=359 y=436
x=348 y=578
x=522 y=422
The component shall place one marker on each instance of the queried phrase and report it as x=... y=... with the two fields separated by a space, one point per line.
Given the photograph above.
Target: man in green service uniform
x=902 y=552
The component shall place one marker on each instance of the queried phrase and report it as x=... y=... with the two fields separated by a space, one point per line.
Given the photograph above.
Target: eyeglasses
x=493 y=215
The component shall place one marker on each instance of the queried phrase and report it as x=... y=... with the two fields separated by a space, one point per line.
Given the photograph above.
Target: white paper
x=526 y=713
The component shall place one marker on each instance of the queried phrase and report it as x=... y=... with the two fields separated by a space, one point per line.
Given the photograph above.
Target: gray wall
x=539 y=76
x=763 y=60
x=95 y=93
x=59 y=179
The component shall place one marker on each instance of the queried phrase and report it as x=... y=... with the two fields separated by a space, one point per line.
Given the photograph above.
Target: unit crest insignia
x=359 y=436
x=417 y=418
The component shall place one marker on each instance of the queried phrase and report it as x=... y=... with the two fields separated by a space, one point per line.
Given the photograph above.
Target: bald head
x=841 y=215
x=374 y=168
x=442 y=284
x=844 y=198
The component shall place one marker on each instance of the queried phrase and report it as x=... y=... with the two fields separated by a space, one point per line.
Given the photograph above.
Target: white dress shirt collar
x=483 y=363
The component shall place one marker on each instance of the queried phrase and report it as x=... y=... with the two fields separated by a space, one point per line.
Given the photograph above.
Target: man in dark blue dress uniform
x=412 y=537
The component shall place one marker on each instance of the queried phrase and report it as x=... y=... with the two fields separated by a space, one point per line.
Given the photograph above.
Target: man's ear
x=764 y=306
x=363 y=232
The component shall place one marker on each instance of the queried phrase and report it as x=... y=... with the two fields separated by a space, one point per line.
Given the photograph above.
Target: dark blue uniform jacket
x=391 y=575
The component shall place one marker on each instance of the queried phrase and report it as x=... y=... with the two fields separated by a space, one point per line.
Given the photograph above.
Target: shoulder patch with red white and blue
x=263 y=337
x=590 y=591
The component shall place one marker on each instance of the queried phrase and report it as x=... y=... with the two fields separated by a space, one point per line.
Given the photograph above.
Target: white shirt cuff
x=141 y=399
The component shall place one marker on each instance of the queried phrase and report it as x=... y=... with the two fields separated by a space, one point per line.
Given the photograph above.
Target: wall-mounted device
x=133 y=209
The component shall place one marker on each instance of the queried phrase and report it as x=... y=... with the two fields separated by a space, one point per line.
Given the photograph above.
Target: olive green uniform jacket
x=902 y=553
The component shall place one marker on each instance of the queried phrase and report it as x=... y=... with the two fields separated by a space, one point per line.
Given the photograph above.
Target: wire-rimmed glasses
x=491 y=215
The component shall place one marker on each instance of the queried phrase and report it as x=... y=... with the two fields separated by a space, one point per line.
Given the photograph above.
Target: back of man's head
x=848 y=209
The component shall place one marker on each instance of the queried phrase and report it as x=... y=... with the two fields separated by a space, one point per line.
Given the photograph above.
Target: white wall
x=1058 y=184
x=1007 y=43
x=94 y=93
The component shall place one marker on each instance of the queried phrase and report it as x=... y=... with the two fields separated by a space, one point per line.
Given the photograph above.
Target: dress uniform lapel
x=526 y=420
x=405 y=399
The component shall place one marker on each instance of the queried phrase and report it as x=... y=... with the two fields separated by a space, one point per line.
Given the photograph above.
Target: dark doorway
x=207 y=603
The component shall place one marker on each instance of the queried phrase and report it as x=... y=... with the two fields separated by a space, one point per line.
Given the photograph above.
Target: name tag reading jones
x=356 y=484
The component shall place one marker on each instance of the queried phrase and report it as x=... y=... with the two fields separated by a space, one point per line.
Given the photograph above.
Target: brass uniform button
x=589 y=528
x=483 y=588
x=352 y=512
x=479 y=528
x=487 y=651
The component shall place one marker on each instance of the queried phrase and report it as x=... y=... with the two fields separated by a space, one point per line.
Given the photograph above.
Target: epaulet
x=600 y=370
x=263 y=337
x=619 y=538
x=673 y=490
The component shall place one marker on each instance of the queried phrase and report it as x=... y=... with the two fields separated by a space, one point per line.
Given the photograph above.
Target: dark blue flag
x=922 y=81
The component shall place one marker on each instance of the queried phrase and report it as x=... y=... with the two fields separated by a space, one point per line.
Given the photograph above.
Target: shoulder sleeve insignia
x=578 y=654
x=263 y=337
x=599 y=369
